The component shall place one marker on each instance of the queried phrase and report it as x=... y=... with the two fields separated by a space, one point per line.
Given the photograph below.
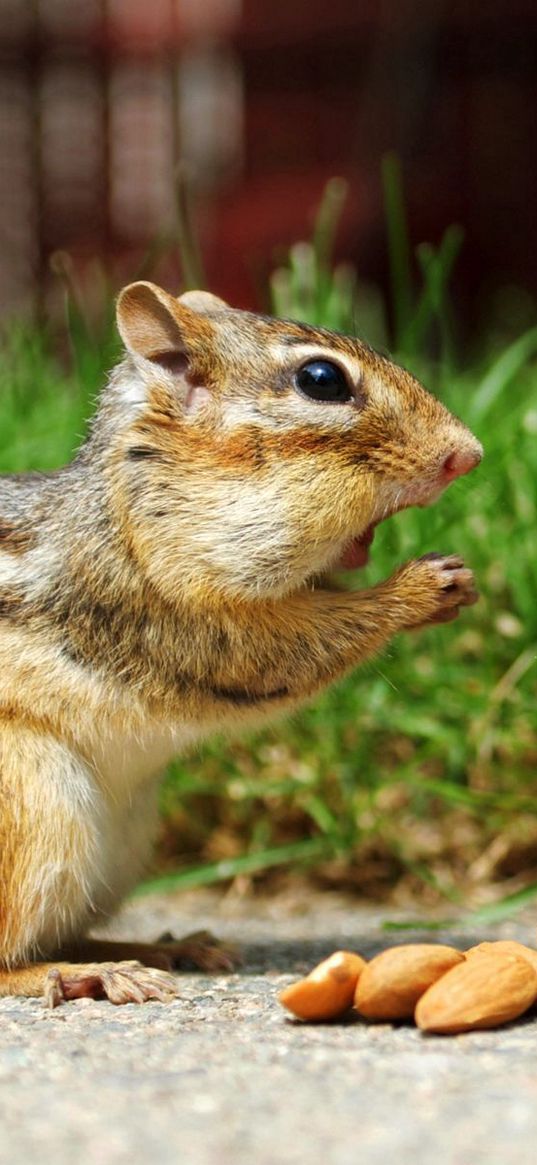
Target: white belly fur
x=128 y=774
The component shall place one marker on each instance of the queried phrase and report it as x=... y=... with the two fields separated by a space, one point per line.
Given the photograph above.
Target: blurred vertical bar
x=99 y=101
x=210 y=113
x=141 y=151
x=175 y=94
x=209 y=92
x=141 y=128
x=18 y=193
x=71 y=102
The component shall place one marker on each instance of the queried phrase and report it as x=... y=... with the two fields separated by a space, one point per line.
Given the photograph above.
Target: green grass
x=418 y=771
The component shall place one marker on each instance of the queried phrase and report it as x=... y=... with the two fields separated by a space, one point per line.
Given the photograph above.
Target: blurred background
x=262 y=101
x=198 y=141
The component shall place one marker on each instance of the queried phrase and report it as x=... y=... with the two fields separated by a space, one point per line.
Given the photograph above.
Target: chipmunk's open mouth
x=356 y=553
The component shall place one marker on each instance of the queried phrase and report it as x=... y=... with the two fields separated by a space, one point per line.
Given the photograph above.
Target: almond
x=391 y=984
x=484 y=991
x=504 y=946
x=328 y=990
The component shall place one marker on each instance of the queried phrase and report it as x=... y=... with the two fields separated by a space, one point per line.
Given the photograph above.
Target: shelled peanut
x=445 y=990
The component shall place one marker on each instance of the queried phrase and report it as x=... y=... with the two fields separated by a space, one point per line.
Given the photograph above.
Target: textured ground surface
x=221 y=1077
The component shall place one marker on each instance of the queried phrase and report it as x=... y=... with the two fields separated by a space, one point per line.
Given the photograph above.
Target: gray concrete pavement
x=222 y=1077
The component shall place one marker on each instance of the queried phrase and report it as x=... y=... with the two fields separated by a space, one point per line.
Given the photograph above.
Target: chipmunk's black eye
x=323 y=381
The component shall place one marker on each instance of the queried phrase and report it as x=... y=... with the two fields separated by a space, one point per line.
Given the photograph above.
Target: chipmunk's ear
x=203 y=301
x=154 y=325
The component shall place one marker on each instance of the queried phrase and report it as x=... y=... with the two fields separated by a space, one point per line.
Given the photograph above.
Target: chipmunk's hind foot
x=127 y=982
x=200 y=949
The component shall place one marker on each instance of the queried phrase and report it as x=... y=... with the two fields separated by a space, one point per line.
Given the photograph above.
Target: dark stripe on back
x=14 y=538
x=243 y=698
x=11 y=604
x=144 y=453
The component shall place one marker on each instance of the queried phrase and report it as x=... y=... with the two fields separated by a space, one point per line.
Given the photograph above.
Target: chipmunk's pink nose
x=461 y=461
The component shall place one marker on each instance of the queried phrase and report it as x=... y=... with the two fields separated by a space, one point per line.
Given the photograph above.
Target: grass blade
x=505 y=908
x=327 y=221
x=502 y=372
x=209 y=875
x=486 y=915
x=398 y=246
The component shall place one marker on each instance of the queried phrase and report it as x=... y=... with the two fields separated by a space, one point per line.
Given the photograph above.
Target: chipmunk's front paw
x=437 y=587
x=127 y=982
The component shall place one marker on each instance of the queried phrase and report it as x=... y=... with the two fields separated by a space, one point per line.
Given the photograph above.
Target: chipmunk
x=171 y=582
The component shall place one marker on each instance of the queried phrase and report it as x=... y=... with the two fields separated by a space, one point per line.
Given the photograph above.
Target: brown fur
x=168 y=583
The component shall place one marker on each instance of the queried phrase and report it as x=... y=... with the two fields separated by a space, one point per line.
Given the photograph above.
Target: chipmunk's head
x=257 y=452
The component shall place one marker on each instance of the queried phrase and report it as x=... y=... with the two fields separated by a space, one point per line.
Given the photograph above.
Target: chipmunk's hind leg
x=54 y=867
x=127 y=982
x=50 y=824
x=200 y=949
